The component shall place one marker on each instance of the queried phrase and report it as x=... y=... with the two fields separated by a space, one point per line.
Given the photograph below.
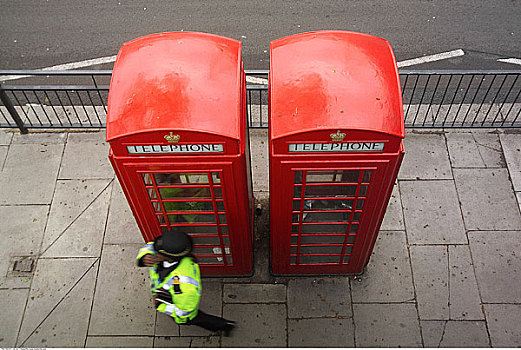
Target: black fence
x=431 y=99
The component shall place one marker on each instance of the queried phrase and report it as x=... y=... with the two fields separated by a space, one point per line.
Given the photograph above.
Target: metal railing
x=432 y=99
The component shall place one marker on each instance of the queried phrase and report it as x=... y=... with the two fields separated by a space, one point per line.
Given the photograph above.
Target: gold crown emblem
x=172 y=138
x=339 y=136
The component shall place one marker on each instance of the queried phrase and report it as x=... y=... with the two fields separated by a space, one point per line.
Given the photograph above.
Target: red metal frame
x=322 y=85
x=195 y=92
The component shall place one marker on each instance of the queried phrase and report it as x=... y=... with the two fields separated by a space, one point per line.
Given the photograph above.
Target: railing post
x=10 y=108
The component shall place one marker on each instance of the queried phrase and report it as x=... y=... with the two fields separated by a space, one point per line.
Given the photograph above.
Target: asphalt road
x=37 y=34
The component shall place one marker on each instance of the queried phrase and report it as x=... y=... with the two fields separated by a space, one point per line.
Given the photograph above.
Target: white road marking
x=510 y=60
x=67 y=66
x=431 y=58
x=249 y=79
x=255 y=80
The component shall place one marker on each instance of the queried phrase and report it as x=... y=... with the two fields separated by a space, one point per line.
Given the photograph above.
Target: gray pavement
x=445 y=271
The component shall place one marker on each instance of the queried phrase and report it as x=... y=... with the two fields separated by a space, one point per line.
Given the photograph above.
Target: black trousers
x=209 y=322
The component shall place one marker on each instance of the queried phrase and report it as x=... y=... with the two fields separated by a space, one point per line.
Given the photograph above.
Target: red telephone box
x=335 y=140
x=178 y=136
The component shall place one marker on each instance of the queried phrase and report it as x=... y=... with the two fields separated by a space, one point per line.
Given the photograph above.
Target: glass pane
x=317 y=250
x=367 y=176
x=346 y=258
x=180 y=178
x=318 y=239
x=185 y=192
x=161 y=219
x=297 y=192
x=218 y=192
x=216 y=178
x=198 y=230
x=351 y=239
x=326 y=176
x=360 y=204
x=330 y=191
x=220 y=206
x=191 y=218
x=356 y=217
x=363 y=191
x=147 y=179
x=222 y=219
x=319 y=259
x=188 y=206
x=152 y=193
x=317 y=229
x=157 y=207
x=295 y=218
x=327 y=204
x=326 y=217
x=296 y=205
x=298 y=177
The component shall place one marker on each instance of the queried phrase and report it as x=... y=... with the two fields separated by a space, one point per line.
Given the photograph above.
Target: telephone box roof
x=334 y=80
x=176 y=81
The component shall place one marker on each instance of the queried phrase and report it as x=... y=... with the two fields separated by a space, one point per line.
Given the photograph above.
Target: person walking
x=175 y=281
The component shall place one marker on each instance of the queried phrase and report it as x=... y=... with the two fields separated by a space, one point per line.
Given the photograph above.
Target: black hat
x=173 y=244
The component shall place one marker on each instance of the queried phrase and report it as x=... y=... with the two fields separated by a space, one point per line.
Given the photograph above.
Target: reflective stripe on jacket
x=184 y=306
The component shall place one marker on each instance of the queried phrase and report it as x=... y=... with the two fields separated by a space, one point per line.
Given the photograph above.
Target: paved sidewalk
x=445 y=272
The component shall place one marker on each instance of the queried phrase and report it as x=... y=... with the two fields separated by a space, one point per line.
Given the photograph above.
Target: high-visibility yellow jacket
x=183 y=284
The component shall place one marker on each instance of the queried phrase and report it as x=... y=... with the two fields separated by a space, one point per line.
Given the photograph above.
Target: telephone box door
x=328 y=213
x=200 y=201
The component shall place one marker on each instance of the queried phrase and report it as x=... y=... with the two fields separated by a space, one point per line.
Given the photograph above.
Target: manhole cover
x=23 y=264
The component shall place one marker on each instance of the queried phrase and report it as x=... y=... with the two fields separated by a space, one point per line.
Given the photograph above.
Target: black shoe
x=228 y=328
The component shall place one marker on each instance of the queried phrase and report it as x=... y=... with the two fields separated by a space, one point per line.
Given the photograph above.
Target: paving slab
x=165 y=326
x=258 y=325
x=387 y=277
x=463 y=151
x=464 y=300
x=386 y=325
x=503 y=324
x=86 y=157
x=393 y=218
x=489 y=147
x=5 y=138
x=40 y=138
x=121 y=224
x=187 y=342
x=455 y=334
x=211 y=302
x=497 y=263
x=173 y=342
x=66 y=325
x=53 y=281
x=432 y=333
x=120 y=342
x=254 y=293
x=259 y=156
x=474 y=149
x=12 y=304
x=29 y=173
x=314 y=297
x=431 y=279
x=512 y=149
x=426 y=157
x=123 y=288
x=321 y=333
x=71 y=198
x=487 y=199
x=432 y=218
x=3 y=155
x=83 y=233
x=22 y=233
